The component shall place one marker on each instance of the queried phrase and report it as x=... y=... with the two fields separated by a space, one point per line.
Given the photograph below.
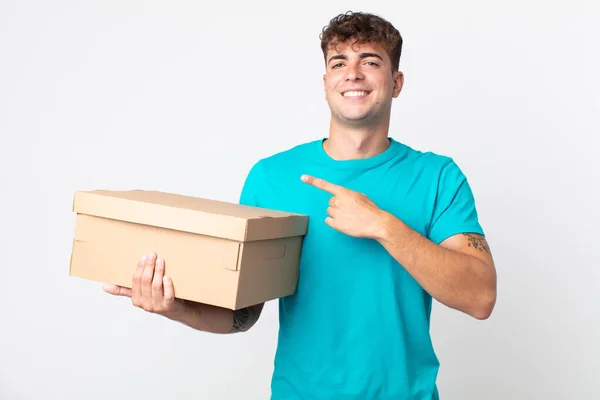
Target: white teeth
x=354 y=94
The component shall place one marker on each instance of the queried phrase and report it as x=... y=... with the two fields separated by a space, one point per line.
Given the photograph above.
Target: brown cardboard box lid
x=191 y=214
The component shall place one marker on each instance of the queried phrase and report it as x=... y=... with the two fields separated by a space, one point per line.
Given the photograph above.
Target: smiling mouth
x=356 y=93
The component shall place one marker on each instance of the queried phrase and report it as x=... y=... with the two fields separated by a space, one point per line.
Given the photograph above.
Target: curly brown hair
x=364 y=28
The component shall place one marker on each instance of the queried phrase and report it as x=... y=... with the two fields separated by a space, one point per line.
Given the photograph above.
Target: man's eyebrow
x=367 y=55
x=338 y=57
x=362 y=55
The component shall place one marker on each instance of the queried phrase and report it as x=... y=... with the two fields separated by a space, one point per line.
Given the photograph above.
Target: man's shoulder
x=427 y=159
x=433 y=167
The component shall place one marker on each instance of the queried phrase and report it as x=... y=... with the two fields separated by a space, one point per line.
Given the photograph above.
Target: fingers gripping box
x=218 y=253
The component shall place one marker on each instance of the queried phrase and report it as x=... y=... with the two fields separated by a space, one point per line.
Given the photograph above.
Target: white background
x=185 y=96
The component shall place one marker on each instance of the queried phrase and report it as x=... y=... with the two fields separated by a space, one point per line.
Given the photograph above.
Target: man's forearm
x=458 y=280
x=208 y=318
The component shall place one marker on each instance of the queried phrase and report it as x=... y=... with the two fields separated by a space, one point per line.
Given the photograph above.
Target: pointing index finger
x=322 y=184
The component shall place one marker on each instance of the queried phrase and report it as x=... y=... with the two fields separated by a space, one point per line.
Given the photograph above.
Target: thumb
x=117 y=290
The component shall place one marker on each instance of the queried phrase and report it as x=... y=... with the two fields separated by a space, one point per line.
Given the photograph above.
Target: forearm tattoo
x=240 y=320
x=478 y=242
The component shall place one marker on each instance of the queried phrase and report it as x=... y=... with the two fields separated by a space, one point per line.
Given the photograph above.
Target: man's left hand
x=350 y=212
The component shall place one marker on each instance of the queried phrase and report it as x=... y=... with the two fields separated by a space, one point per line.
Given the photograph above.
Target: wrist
x=384 y=226
x=181 y=313
x=389 y=228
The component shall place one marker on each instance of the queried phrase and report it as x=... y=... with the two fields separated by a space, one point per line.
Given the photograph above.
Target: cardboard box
x=218 y=253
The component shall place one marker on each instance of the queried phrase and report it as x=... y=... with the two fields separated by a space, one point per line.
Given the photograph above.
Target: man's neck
x=351 y=143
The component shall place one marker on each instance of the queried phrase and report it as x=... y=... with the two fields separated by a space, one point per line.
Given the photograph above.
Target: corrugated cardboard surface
x=190 y=214
x=230 y=265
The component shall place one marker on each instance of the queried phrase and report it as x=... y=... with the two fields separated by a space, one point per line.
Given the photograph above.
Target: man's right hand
x=151 y=289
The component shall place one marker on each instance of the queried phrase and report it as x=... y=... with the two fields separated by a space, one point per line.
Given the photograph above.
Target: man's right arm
x=208 y=318
x=152 y=291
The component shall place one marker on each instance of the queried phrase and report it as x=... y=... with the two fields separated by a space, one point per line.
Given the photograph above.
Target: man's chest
x=402 y=195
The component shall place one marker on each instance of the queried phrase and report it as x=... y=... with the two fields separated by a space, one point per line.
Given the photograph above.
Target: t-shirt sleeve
x=454 y=210
x=250 y=189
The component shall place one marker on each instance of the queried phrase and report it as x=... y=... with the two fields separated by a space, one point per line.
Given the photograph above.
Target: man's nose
x=353 y=73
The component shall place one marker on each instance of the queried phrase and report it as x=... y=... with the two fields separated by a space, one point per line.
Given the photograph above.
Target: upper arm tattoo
x=245 y=318
x=240 y=320
x=478 y=242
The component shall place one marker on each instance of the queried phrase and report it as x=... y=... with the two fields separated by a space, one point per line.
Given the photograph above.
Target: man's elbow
x=485 y=300
x=484 y=305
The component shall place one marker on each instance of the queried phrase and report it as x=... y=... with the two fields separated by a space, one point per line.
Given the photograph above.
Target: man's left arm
x=459 y=272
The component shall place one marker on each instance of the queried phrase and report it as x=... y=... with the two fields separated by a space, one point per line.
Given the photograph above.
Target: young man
x=390 y=228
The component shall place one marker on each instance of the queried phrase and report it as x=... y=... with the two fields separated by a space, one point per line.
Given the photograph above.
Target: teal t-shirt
x=357 y=327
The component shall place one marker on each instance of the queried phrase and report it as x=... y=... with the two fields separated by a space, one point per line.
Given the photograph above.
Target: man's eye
x=337 y=65
x=372 y=63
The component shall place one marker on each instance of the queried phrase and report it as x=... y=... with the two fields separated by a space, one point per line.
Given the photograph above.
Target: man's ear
x=398 y=83
x=325 y=83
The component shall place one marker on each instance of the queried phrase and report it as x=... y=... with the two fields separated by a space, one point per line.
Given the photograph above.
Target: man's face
x=360 y=84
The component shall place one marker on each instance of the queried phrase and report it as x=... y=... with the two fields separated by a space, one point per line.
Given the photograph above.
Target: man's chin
x=355 y=119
